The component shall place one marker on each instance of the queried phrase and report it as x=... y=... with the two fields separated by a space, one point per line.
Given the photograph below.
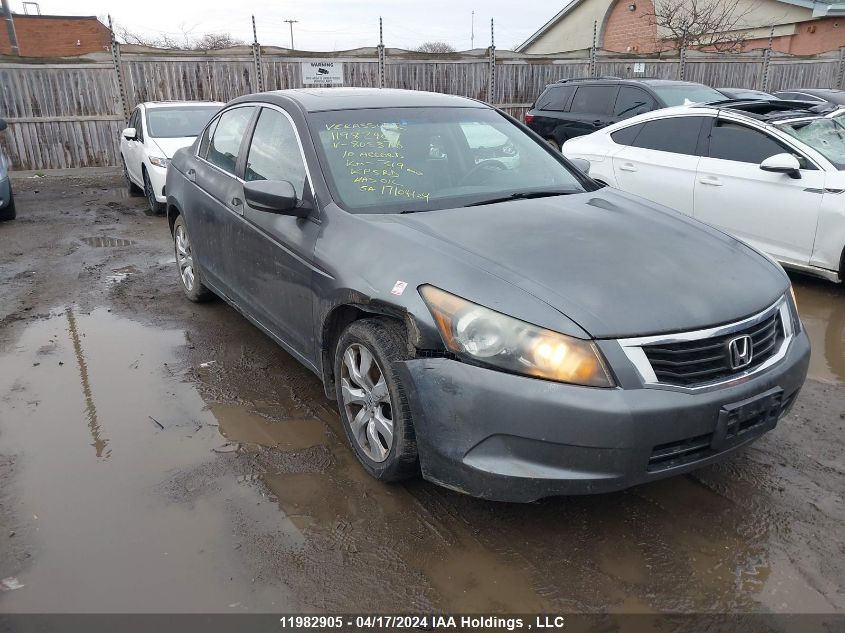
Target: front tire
x=190 y=278
x=130 y=186
x=373 y=400
x=9 y=213
x=156 y=207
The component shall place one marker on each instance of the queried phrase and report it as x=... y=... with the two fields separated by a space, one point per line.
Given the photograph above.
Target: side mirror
x=274 y=196
x=130 y=134
x=782 y=164
x=581 y=164
x=3 y=124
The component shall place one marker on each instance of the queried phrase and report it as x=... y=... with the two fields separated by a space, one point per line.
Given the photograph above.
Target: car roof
x=636 y=81
x=767 y=111
x=169 y=104
x=324 y=99
x=815 y=91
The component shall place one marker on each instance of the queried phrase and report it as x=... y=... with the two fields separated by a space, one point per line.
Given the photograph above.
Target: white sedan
x=771 y=175
x=156 y=130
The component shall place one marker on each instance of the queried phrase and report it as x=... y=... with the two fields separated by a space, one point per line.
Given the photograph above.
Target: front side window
x=626 y=135
x=678 y=135
x=632 y=101
x=732 y=141
x=555 y=98
x=392 y=160
x=826 y=136
x=226 y=142
x=274 y=152
x=593 y=99
x=178 y=121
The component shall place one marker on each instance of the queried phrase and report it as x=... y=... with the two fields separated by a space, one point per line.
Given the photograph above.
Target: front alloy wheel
x=373 y=399
x=367 y=402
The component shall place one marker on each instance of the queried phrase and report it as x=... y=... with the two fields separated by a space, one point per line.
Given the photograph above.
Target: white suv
x=769 y=173
x=156 y=130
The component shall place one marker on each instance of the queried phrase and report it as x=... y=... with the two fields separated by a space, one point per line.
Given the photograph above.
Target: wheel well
x=842 y=266
x=172 y=213
x=336 y=322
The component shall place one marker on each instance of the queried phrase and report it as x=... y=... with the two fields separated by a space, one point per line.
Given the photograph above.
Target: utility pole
x=472 y=33
x=10 y=27
x=291 y=22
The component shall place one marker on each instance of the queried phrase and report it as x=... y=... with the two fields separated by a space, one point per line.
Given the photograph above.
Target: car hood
x=169 y=146
x=614 y=263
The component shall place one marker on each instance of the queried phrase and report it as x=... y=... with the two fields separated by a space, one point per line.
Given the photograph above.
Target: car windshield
x=826 y=136
x=178 y=121
x=684 y=94
x=391 y=160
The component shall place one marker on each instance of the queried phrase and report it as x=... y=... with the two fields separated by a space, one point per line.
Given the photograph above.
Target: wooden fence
x=69 y=112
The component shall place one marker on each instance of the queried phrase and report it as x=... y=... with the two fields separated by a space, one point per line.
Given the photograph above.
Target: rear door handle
x=627 y=167
x=192 y=175
x=710 y=180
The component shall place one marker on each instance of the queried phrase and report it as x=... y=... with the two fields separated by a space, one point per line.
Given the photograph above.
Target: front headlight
x=159 y=162
x=495 y=339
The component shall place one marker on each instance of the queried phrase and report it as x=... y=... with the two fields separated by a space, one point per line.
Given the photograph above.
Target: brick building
x=56 y=35
x=801 y=27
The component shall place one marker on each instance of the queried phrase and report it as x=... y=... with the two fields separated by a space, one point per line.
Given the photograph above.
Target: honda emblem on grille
x=740 y=351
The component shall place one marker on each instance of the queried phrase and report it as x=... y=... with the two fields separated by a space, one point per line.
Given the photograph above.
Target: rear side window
x=632 y=101
x=678 y=135
x=226 y=141
x=555 y=98
x=206 y=137
x=594 y=99
x=626 y=135
x=730 y=141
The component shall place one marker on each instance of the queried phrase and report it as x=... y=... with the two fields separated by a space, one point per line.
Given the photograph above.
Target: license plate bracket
x=739 y=421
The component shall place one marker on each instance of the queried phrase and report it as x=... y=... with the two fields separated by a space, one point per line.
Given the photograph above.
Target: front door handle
x=192 y=175
x=627 y=167
x=598 y=123
x=710 y=180
x=236 y=202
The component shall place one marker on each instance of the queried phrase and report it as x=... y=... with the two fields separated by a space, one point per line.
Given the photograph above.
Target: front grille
x=693 y=449
x=689 y=363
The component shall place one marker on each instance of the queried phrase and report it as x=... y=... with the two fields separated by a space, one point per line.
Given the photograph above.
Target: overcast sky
x=325 y=25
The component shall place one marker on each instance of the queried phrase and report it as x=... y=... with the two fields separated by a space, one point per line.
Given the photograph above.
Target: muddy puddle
x=822 y=309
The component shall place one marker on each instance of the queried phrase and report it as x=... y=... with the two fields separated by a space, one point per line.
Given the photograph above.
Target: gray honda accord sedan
x=483 y=312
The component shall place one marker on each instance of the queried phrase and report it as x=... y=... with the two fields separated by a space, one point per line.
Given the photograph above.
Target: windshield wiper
x=521 y=195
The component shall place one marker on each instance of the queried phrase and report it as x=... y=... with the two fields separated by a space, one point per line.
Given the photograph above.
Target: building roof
x=820 y=8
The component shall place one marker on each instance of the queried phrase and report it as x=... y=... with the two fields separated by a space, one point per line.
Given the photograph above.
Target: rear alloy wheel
x=156 y=207
x=372 y=399
x=189 y=276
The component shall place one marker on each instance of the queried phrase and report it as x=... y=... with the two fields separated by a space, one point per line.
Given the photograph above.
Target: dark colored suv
x=574 y=107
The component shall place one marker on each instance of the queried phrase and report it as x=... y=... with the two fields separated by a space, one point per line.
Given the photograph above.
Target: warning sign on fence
x=322 y=73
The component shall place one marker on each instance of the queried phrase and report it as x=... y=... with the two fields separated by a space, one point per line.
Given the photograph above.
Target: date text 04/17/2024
x=425 y=622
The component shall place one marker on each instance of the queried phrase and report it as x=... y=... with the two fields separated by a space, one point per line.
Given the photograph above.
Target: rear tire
x=9 y=213
x=156 y=207
x=372 y=398
x=190 y=277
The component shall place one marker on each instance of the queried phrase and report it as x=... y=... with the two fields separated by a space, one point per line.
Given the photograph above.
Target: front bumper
x=158 y=178
x=512 y=438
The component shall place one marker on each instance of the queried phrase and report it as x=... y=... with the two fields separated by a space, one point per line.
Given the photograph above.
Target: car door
x=219 y=209
x=591 y=109
x=273 y=253
x=551 y=118
x=660 y=160
x=771 y=211
x=134 y=148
